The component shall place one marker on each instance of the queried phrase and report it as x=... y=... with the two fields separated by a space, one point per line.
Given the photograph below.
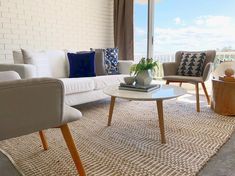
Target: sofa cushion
x=111 y=61
x=81 y=64
x=39 y=60
x=17 y=57
x=107 y=80
x=99 y=62
x=57 y=61
x=77 y=85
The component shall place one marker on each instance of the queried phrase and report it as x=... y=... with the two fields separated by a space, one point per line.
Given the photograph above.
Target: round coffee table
x=163 y=93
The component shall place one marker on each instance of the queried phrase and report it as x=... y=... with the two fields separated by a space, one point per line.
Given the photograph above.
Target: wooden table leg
x=161 y=121
x=111 y=110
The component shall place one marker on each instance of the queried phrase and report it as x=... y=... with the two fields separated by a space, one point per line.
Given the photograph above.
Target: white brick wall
x=54 y=24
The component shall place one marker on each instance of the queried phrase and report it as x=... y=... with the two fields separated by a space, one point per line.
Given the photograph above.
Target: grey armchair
x=170 y=70
x=32 y=105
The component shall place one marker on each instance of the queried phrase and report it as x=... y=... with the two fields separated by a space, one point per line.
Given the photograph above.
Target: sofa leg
x=72 y=149
x=180 y=84
x=43 y=139
x=205 y=91
x=197 y=97
x=167 y=82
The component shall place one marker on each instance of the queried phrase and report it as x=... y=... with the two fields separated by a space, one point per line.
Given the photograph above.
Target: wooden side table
x=223 y=97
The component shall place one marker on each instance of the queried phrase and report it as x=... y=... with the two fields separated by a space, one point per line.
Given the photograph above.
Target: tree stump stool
x=223 y=97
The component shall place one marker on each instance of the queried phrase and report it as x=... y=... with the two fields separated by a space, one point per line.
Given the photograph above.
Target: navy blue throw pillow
x=111 y=61
x=81 y=64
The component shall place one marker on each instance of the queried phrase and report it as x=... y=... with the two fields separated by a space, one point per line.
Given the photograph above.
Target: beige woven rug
x=131 y=146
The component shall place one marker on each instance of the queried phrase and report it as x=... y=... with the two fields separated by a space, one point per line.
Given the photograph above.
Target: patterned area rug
x=131 y=146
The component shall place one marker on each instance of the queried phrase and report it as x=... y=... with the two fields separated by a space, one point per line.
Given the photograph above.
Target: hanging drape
x=124 y=28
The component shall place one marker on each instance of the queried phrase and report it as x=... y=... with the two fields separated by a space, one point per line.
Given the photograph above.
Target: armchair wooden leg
x=72 y=149
x=43 y=139
x=180 y=84
x=197 y=97
x=205 y=91
x=167 y=82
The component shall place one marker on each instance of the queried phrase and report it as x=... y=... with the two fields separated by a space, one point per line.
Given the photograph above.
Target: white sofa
x=77 y=90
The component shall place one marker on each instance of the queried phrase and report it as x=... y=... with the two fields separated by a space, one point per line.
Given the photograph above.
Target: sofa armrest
x=9 y=76
x=24 y=70
x=30 y=105
x=124 y=66
x=169 y=68
x=208 y=69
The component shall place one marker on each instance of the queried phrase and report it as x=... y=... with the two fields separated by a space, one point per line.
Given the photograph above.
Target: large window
x=185 y=25
x=140 y=28
x=193 y=25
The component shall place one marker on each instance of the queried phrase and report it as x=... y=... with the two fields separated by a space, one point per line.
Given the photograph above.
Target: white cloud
x=205 y=32
x=178 y=20
x=214 y=21
x=194 y=38
x=140 y=31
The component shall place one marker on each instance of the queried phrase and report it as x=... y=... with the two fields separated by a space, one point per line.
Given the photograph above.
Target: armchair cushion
x=191 y=64
x=178 y=78
x=70 y=114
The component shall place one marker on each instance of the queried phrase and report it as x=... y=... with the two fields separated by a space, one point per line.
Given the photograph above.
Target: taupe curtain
x=124 y=28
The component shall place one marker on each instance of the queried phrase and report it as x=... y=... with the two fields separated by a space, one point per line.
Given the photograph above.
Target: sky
x=186 y=25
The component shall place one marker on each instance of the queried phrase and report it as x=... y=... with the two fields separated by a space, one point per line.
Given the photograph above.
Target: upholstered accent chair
x=170 y=73
x=33 y=105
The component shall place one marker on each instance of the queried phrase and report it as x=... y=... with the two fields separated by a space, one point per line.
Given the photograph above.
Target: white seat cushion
x=107 y=80
x=77 y=85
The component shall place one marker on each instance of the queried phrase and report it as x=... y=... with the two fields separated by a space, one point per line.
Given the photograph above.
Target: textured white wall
x=54 y=24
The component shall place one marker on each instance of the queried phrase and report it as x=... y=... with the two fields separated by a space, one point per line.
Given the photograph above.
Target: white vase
x=144 y=78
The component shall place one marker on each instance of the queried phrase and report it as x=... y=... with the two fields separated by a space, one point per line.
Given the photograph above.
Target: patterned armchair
x=172 y=72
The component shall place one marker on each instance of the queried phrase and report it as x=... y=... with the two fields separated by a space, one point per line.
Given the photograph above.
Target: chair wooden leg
x=167 y=82
x=43 y=139
x=197 y=97
x=205 y=91
x=72 y=149
x=180 y=84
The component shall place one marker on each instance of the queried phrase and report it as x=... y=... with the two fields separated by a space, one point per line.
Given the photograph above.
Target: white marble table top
x=163 y=93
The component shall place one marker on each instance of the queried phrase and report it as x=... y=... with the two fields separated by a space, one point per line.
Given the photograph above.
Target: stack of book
x=139 y=88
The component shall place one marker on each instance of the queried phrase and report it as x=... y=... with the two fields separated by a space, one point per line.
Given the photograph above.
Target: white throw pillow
x=58 y=63
x=40 y=60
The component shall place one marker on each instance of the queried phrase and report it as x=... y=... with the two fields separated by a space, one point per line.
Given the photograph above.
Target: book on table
x=136 y=87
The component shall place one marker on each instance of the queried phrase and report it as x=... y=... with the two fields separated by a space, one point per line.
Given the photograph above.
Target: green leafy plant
x=144 y=64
